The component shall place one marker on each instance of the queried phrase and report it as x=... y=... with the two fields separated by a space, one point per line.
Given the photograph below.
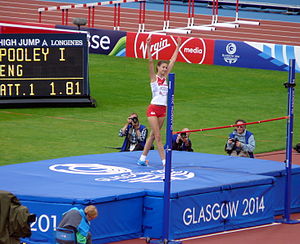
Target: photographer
x=181 y=142
x=241 y=143
x=15 y=219
x=135 y=134
x=78 y=220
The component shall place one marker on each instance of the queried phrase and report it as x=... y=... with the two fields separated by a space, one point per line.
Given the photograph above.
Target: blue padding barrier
x=211 y=212
x=258 y=167
x=125 y=193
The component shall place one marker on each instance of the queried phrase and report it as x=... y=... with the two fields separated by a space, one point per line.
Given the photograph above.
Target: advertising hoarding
x=193 y=50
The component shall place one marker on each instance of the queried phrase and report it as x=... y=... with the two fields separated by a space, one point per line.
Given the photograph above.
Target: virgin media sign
x=192 y=50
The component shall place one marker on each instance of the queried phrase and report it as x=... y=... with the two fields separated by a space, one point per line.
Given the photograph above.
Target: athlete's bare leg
x=155 y=124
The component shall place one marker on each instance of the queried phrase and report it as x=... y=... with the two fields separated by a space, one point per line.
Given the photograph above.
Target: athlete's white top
x=159 y=90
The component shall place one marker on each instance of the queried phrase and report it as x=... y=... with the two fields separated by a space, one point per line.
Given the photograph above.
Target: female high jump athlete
x=156 y=111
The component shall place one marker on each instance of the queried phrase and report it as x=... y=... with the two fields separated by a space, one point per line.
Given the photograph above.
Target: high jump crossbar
x=234 y=125
x=91 y=11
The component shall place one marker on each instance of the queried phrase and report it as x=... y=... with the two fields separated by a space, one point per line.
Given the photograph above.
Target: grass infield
x=205 y=96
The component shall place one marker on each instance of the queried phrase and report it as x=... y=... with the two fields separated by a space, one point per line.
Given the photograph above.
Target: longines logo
x=114 y=173
x=231 y=57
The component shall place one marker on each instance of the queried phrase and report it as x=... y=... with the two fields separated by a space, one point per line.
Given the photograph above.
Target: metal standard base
x=148 y=240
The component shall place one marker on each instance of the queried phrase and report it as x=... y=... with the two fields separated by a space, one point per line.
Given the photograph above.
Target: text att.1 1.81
x=33 y=88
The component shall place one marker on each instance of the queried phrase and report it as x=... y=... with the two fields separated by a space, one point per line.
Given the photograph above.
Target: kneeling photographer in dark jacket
x=181 y=142
x=241 y=143
x=135 y=134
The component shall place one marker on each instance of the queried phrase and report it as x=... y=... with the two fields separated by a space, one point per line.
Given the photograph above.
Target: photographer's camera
x=234 y=140
x=234 y=147
x=134 y=120
x=183 y=135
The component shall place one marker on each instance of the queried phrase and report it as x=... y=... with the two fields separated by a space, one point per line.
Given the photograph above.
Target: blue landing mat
x=209 y=193
x=257 y=167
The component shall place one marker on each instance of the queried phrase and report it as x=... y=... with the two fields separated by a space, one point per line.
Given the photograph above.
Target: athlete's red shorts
x=156 y=110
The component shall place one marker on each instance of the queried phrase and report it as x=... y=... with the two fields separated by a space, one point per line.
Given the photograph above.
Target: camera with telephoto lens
x=234 y=147
x=183 y=135
x=134 y=120
x=234 y=140
x=31 y=218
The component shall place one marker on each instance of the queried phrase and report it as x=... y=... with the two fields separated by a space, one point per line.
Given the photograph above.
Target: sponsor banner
x=193 y=50
x=102 y=41
x=255 y=55
x=211 y=212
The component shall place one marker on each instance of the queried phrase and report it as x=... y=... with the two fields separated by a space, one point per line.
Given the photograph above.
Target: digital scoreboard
x=44 y=69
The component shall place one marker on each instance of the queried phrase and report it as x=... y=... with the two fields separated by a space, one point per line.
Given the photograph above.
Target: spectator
x=78 y=220
x=135 y=134
x=241 y=142
x=181 y=142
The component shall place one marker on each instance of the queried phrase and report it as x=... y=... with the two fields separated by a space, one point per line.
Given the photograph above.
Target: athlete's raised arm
x=174 y=56
x=151 y=64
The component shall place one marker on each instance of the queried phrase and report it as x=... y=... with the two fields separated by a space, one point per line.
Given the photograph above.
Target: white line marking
x=228 y=232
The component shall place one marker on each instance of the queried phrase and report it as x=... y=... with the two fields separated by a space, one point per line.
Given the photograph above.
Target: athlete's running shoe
x=142 y=163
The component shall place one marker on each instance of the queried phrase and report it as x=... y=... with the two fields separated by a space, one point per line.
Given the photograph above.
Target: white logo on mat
x=89 y=169
x=114 y=173
x=152 y=176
